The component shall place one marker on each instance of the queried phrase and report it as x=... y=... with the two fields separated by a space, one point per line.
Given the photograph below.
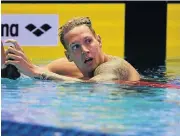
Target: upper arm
x=105 y=72
x=125 y=71
x=117 y=69
x=56 y=66
x=63 y=67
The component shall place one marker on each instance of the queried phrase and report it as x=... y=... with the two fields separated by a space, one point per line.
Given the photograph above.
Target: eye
x=88 y=40
x=75 y=46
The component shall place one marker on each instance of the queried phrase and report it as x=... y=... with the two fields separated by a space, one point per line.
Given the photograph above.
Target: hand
x=16 y=57
x=3 y=56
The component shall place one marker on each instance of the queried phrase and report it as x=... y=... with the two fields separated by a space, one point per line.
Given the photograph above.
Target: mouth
x=88 y=60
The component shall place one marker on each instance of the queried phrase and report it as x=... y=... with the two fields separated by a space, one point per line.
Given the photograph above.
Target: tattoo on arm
x=105 y=72
x=116 y=69
x=47 y=75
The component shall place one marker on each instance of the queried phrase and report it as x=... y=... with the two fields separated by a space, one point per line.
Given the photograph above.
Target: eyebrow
x=87 y=37
x=75 y=43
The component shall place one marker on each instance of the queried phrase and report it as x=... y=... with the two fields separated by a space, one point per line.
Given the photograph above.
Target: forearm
x=48 y=75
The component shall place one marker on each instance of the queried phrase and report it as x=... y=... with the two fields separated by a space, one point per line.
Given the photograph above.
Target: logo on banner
x=38 y=31
x=9 y=30
x=31 y=29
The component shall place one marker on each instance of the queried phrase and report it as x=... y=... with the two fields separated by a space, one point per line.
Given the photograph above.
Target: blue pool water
x=106 y=108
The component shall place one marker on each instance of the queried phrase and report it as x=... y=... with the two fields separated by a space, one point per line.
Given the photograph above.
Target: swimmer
x=85 y=61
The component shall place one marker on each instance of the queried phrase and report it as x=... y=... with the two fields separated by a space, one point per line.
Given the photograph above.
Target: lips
x=88 y=60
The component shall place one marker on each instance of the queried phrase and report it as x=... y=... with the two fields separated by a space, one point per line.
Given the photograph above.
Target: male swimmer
x=85 y=61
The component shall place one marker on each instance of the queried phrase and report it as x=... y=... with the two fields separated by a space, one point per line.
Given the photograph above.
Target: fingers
x=15 y=43
x=13 y=57
x=3 y=56
x=11 y=50
x=12 y=62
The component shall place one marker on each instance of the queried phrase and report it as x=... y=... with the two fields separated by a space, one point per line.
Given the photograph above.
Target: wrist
x=40 y=73
x=37 y=72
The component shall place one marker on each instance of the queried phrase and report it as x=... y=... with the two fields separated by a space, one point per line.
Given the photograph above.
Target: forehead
x=77 y=33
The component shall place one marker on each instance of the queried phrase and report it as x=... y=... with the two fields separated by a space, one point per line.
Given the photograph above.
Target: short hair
x=74 y=22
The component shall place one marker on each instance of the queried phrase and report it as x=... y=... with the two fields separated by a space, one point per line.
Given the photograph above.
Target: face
x=83 y=48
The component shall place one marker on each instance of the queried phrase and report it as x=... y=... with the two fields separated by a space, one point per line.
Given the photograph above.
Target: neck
x=90 y=74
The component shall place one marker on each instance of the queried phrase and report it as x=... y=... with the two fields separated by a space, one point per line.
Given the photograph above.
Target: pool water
x=108 y=108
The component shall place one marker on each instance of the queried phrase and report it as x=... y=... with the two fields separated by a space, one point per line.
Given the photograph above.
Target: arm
x=117 y=69
x=62 y=66
x=3 y=56
x=16 y=57
x=48 y=75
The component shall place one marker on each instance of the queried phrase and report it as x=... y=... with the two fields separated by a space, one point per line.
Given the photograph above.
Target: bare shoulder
x=110 y=66
x=119 y=67
x=57 y=64
x=63 y=67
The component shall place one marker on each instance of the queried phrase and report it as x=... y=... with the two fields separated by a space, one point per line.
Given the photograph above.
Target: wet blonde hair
x=74 y=22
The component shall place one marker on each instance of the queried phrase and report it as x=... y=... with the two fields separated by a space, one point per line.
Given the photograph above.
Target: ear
x=99 y=40
x=68 y=56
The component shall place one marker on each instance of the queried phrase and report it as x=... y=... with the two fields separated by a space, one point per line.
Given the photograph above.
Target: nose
x=84 y=49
